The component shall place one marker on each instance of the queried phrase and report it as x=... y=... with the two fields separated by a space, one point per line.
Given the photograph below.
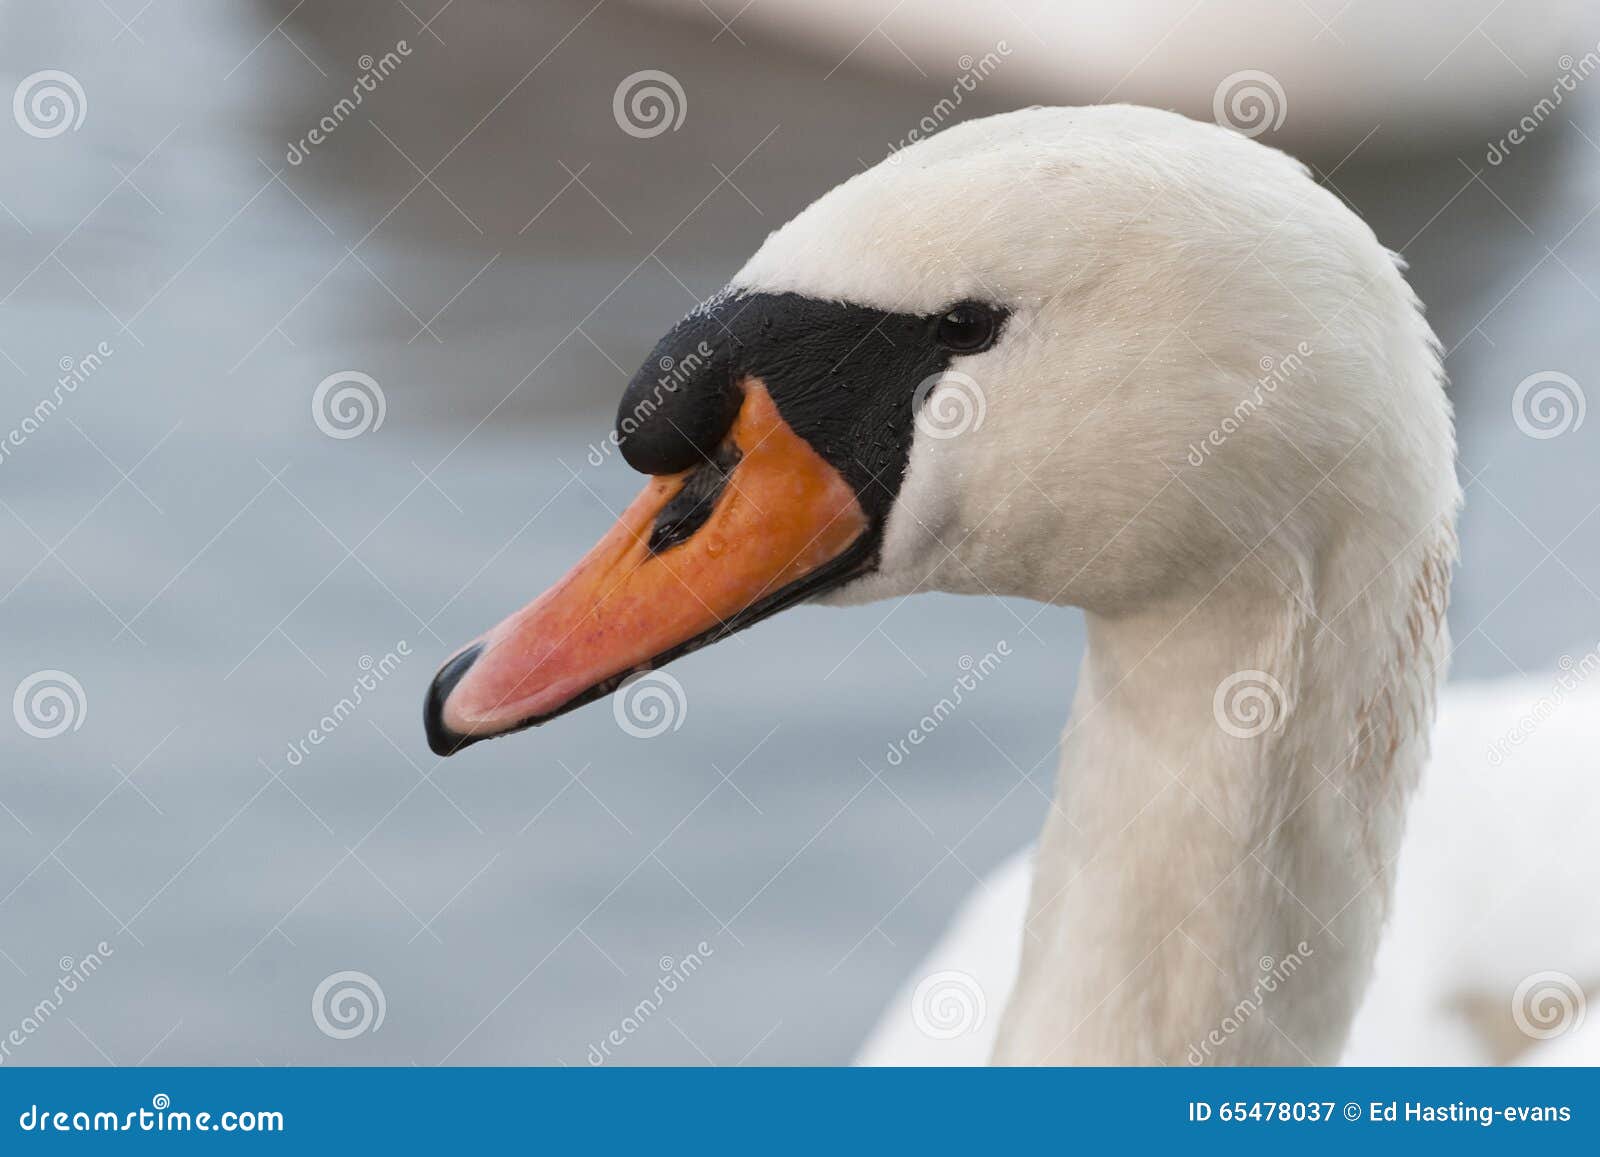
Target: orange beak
x=781 y=527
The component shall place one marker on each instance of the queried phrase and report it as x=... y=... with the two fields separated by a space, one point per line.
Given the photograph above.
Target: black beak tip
x=441 y=740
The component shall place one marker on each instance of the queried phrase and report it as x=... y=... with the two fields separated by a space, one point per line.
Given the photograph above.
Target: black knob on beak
x=680 y=405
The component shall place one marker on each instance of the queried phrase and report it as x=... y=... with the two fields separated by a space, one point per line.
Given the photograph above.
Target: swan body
x=1107 y=357
x=1497 y=873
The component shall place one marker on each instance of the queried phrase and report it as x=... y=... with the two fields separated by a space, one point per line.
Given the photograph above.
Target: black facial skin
x=842 y=376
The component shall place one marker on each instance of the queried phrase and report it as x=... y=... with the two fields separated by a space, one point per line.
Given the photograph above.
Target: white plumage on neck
x=1179 y=855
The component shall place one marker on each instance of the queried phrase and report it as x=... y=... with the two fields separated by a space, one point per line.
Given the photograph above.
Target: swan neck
x=1213 y=876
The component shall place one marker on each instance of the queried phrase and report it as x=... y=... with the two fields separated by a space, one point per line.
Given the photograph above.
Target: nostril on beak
x=442 y=740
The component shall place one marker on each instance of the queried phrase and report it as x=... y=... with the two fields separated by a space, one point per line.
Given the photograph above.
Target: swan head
x=1098 y=356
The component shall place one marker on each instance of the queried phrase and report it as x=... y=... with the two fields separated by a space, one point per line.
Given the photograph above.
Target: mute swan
x=1108 y=357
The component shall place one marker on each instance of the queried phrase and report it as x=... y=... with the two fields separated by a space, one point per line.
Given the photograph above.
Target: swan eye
x=968 y=328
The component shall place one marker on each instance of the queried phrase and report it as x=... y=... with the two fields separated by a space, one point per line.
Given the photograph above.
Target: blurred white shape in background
x=1422 y=68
